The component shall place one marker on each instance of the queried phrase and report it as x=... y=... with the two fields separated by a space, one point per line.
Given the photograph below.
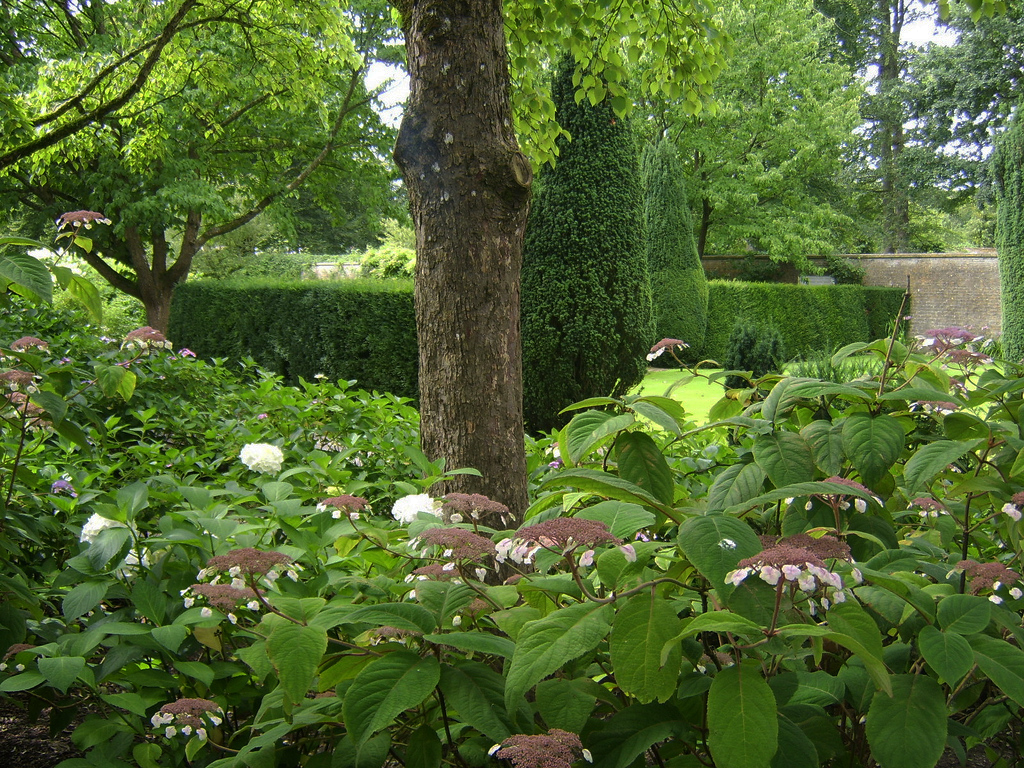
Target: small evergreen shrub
x=755 y=347
x=819 y=365
x=844 y=271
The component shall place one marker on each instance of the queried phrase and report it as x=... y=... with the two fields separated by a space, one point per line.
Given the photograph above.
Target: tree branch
x=59 y=134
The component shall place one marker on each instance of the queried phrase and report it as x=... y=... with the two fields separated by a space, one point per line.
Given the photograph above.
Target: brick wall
x=946 y=288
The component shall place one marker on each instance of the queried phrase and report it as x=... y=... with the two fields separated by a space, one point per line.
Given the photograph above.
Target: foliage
x=215 y=589
x=822 y=365
x=809 y=317
x=754 y=347
x=394 y=257
x=678 y=283
x=586 y=292
x=759 y=269
x=844 y=271
x=762 y=168
x=1008 y=171
x=358 y=330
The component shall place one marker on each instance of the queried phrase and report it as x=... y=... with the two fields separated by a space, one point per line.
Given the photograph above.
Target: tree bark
x=469 y=189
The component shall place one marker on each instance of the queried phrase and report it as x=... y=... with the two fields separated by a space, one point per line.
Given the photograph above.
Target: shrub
x=678 y=283
x=388 y=261
x=1008 y=172
x=586 y=295
x=753 y=347
x=844 y=271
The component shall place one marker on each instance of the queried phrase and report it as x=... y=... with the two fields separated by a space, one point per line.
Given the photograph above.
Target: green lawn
x=697 y=396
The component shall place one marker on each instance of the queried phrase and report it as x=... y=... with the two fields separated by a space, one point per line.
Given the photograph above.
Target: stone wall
x=946 y=289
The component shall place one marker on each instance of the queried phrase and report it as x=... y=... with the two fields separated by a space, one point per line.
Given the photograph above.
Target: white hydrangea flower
x=262 y=457
x=407 y=508
x=94 y=525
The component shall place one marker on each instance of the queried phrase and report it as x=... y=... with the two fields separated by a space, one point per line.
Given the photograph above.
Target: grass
x=696 y=396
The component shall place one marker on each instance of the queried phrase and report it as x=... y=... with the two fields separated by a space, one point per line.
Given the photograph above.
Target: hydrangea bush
x=825 y=574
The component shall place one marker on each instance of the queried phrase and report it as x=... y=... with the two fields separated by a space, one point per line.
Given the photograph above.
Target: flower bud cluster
x=146 y=338
x=554 y=749
x=798 y=562
x=562 y=535
x=349 y=506
x=188 y=717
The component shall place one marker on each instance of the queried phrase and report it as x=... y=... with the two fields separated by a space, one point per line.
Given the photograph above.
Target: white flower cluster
x=523 y=551
x=807 y=577
x=262 y=457
x=407 y=508
x=96 y=524
x=1013 y=511
x=166 y=721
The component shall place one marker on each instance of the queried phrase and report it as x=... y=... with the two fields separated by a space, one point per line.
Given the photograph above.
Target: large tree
x=240 y=114
x=762 y=169
x=587 y=321
x=469 y=187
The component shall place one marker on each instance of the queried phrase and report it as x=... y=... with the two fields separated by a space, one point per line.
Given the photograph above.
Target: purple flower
x=63 y=487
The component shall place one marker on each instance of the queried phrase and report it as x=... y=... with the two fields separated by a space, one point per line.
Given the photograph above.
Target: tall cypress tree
x=678 y=282
x=1008 y=170
x=586 y=294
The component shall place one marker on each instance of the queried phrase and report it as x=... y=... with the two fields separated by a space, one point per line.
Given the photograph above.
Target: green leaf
x=715 y=544
x=908 y=728
x=296 y=651
x=62 y=671
x=22 y=682
x=88 y=295
x=850 y=619
x=591 y=427
x=964 y=614
x=629 y=733
x=479 y=642
x=929 y=461
x=30 y=276
x=407 y=616
x=785 y=457
x=566 y=704
x=476 y=692
x=605 y=484
x=623 y=519
x=641 y=629
x=385 y=688
x=1002 y=662
x=874 y=666
x=107 y=544
x=546 y=644
x=801 y=489
x=443 y=598
x=795 y=750
x=642 y=463
x=735 y=485
x=371 y=754
x=721 y=621
x=83 y=598
x=109 y=378
x=149 y=601
x=424 y=749
x=171 y=636
x=197 y=671
x=873 y=444
x=743 y=728
x=949 y=654
x=826 y=441
x=54 y=405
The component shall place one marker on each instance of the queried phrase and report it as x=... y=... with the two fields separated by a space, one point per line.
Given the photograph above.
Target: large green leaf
x=663 y=411
x=947 y=653
x=872 y=443
x=385 y=688
x=735 y=485
x=566 y=704
x=86 y=294
x=83 y=598
x=795 y=750
x=642 y=463
x=424 y=749
x=407 y=616
x=629 y=733
x=743 y=728
x=546 y=644
x=444 y=598
x=480 y=642
x=476 y=692
x=826 y=441
x=641 y=629
x=1002 y=662
x=850 y=619
x=964 y=614
x=622 y=518
x=716 y=543
x=62 y=671
x=931 y=459
x=296 y=651
x=27 y=272
x=611 y=486
x=785 y=457
x=908 y=729
x=801 y=489
x=591 y=427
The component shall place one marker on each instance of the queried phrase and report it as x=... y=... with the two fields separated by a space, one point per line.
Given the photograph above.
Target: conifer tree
x=678 y=283
x=1008 y=170
x=586 y=296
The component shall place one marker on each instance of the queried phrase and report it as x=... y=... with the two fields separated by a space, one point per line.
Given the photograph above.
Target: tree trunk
x=469 y=189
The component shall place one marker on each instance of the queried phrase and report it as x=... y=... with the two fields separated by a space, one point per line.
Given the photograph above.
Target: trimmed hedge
x=349 y=329
x=810 y=317
x=366 y=329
